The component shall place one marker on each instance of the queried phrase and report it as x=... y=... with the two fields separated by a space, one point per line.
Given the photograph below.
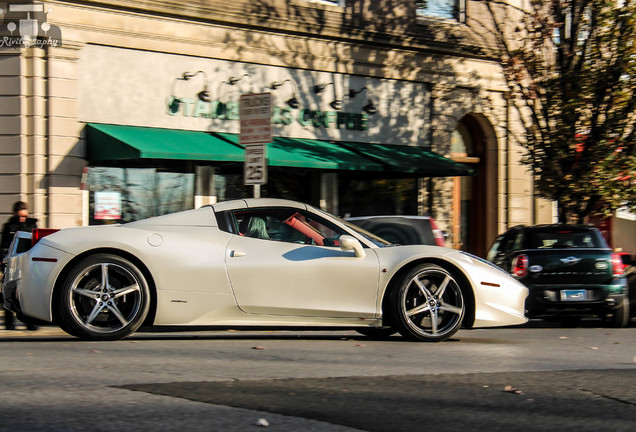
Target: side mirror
x=348 y=243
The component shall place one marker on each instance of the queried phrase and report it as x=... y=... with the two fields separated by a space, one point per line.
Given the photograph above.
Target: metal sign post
x=255 y=133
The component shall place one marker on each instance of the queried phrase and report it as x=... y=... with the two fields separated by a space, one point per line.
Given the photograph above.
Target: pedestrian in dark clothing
x=20 y=221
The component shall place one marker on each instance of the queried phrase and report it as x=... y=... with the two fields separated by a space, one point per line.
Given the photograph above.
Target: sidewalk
x=21 y=329
x=21 y=332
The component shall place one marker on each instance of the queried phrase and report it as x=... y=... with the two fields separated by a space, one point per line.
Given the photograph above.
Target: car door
x=290 y=275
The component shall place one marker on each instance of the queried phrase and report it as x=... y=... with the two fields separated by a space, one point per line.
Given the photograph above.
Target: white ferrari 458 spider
x=265 y=263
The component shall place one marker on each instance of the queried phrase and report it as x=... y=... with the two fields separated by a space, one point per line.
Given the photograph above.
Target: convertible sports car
x=252 y=263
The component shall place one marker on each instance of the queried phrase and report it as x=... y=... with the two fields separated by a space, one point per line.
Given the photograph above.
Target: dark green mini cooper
x=569 y=270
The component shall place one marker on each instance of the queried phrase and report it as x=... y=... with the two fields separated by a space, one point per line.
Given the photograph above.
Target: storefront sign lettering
x=190 y=107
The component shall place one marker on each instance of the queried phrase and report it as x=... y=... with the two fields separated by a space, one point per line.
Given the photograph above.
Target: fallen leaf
x=511 y=389
x=262 y=422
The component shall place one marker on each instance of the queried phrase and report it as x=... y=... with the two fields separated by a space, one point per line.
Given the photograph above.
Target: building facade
x=118 y=110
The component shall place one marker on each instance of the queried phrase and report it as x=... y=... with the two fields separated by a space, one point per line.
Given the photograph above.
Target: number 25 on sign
x=255 y=172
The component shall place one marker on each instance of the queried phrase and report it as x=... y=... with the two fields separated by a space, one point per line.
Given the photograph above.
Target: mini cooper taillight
x=40 y=233
x=617 y=265
x=520 y=265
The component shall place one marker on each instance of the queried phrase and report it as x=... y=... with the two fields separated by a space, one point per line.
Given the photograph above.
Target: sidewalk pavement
x=22 y=332
x=21 y=329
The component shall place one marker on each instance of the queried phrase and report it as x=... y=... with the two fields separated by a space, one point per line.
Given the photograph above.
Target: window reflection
x=438 y=8
x=129 y=194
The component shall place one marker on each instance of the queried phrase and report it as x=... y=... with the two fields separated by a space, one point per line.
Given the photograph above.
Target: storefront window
x=449 y=9
x=332 y=2
x=369 y=197
x=129 y=194
x=296 y=184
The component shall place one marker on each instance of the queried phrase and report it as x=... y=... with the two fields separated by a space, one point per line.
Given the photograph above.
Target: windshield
x=378 y=241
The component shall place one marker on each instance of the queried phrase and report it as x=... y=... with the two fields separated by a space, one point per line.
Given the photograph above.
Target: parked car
x=403 y=230
x=570 y=271
x=629 y=267
x=265 y=263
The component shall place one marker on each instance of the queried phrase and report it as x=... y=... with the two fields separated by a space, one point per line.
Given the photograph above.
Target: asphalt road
x=516 y=379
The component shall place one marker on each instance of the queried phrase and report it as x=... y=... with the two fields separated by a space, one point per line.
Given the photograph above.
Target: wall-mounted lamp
x=234 y=80
x=336 y=104
x=292 y=102
x=174 y=105
x=318 y=88
x=369 y=108
x=176 y=102
x=203 y=95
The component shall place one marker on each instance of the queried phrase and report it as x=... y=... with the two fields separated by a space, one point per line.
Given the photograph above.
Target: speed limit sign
x=255 y=171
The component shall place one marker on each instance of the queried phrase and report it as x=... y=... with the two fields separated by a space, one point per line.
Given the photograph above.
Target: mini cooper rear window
x=563 y=239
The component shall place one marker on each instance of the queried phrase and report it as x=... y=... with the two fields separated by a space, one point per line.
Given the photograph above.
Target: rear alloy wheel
x=428 y=305
x=105 y=297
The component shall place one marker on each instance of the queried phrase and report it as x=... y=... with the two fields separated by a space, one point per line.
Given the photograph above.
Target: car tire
x=89 y=310
x=428 y=304
x=377 y=332
x=621 y=316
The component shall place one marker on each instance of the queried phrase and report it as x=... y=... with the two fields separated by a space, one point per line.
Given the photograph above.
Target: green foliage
x=571 y=68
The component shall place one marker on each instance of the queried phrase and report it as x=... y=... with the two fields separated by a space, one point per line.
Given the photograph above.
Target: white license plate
x=573 y=295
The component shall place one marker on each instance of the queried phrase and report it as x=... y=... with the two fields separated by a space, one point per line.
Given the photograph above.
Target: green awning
x=117 y=142
x=311 y=153
x=413 y=160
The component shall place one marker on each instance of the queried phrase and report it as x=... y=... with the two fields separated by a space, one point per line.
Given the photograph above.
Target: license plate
x=573 y=295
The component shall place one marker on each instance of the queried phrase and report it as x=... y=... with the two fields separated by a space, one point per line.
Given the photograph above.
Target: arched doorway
x=474 y=220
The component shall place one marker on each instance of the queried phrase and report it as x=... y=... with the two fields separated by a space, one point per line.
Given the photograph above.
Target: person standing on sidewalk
x=20 y=221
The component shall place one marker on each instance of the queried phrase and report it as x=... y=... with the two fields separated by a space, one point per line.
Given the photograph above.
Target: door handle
x=237 y=254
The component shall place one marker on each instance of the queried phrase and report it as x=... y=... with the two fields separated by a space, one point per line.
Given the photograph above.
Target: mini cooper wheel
x=104 y=297
x=428 y=305
x=620 y=315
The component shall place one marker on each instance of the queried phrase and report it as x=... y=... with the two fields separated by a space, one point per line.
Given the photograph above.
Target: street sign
x=256 y=118
x=255 y=133
x=255 y=168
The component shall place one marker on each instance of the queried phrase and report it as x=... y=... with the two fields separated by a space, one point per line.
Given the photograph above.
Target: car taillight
x=437 y=234
x=520 y=265
x=40 y=233
x=617 y=265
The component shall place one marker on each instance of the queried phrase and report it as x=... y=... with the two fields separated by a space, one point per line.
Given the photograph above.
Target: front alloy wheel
x=428 y=305
x=105 y=297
